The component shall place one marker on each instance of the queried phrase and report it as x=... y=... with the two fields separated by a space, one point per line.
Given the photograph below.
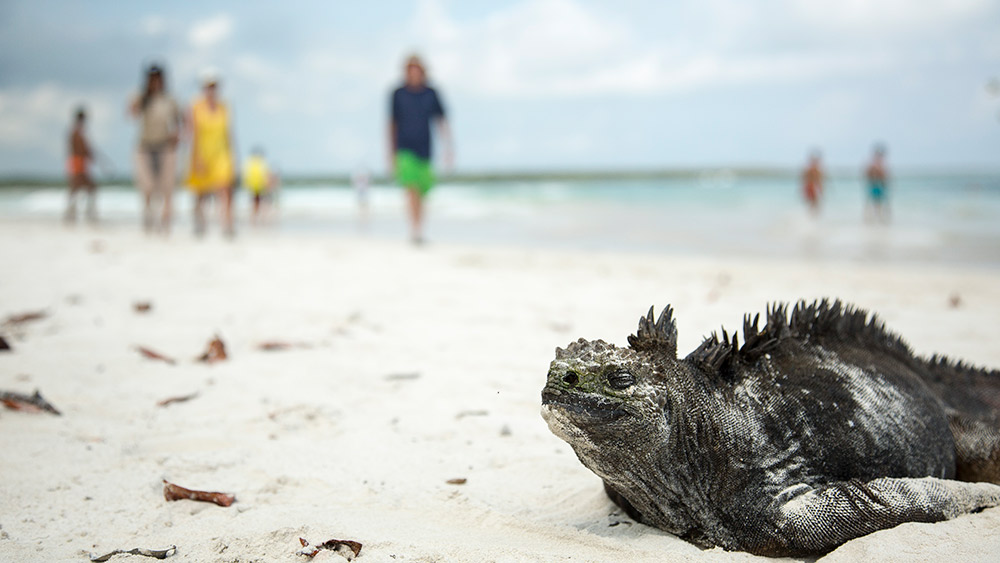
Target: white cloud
x=210 y=32
x=154 y=25
x=39 y=117
x=885 y=16
x=564 y=48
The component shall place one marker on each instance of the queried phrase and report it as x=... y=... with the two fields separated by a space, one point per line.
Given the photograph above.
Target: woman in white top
x=160 y=123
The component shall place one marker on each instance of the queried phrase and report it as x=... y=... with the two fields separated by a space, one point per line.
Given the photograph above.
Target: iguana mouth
x=591 y=406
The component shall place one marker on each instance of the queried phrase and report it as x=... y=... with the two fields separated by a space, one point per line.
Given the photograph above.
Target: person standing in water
x=160 y=123
x=877 y=178
x=78 y=169
x=414 y=107
x=812 y=183
x=212 y=168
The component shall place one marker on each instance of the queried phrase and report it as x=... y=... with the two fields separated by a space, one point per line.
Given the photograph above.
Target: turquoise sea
x=936 y=218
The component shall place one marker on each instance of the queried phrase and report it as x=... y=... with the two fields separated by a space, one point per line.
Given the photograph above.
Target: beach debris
x=153 y=355
x=27 y=403
x=176 y=492
x=142 y=306
x=154 y=553
x=348 y=548
x=402 y=376
x=4 y=346
x=177 y=399
x=954 y=300
x=278 y=345
x=21 y=318
x=458 y=481
x=216 y=351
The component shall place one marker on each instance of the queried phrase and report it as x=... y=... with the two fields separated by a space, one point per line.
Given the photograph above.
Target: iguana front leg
x=812 y=520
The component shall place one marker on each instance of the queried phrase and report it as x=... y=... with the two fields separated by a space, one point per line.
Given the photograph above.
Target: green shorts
x=414 y=172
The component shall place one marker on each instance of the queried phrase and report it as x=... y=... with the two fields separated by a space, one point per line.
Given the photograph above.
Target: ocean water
x=935 y=218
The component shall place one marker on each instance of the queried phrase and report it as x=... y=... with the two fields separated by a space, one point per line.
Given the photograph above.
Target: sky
x=538 y=85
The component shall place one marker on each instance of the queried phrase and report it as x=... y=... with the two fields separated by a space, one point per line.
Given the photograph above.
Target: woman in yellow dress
x=212 y=165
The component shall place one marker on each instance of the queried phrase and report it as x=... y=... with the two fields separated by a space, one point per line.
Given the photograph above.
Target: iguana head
x=599 y=395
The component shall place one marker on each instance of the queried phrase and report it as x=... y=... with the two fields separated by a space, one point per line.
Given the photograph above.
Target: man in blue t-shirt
x=414 y=107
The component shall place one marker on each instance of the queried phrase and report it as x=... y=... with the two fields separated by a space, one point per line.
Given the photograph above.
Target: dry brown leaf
x=216 y=351
x=348 y=548
x=155 y=553
x=27 y=403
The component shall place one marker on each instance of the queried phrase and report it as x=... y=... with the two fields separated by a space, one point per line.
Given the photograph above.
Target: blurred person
x=260 y=182
x=361 y=182
x=877 y=178
x=414 y=107
x=212 y=168
x=160 y=123
x=812 y=182
x=81 y=155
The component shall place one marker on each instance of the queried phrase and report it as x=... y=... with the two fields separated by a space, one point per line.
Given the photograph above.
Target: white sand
x=424 y=365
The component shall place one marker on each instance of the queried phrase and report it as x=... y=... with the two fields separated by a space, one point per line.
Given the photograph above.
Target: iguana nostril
x=571 y=378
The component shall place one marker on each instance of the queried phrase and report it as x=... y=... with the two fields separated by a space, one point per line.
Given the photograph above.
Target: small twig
x=157 y=553
x=21 y=318
x=216 y=351
x=278 y=345
x=402 y=376
x=29 y=403
x=178 y=399
x=176 y=492
x=152 y=355
x=349 y=549
x=142 y=306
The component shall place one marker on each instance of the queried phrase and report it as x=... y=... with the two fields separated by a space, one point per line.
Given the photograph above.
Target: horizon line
x=14 y=179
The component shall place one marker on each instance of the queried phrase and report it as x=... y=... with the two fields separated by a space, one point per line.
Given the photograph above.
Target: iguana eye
x=621 y=380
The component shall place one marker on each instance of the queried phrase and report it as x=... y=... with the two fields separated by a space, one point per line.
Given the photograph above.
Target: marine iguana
x=822 y=427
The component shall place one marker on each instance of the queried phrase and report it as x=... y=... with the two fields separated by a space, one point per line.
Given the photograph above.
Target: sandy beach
x=402 y=410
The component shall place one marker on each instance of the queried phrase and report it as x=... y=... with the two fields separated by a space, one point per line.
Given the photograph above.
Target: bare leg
x=144 y=178
x=168 y=176
x=415 y=204
x=167 y=218
x=70 y=215
x=199 y=214
x=147 y=212
x=226 y=194
x=91 y=188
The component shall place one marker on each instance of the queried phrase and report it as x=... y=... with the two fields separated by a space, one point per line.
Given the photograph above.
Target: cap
x=209 y=76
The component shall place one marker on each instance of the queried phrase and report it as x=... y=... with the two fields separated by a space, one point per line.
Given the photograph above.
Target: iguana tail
x=971 y=391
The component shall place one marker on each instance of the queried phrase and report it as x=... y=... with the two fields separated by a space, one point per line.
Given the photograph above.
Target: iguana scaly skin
x=820 y=428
